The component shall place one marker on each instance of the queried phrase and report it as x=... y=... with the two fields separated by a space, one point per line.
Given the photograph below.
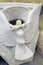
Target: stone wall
x=40 y=41
x=31 y=1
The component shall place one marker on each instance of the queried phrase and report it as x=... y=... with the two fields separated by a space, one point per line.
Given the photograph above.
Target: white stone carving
x=17 y=43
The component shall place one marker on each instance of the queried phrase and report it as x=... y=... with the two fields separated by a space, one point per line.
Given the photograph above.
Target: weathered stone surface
x=8 y=38
x=40 y=42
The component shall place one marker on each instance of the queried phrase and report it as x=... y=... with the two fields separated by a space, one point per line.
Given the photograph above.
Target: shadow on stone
x=2 y=61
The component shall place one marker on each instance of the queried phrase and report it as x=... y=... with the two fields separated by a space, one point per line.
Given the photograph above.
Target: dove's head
x=18 y=22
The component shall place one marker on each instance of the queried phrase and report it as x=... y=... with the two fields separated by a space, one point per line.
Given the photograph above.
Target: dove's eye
x=13 y=22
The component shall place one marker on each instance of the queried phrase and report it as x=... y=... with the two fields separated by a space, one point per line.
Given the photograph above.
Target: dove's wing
x=3 y=21
x=4 y=27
